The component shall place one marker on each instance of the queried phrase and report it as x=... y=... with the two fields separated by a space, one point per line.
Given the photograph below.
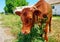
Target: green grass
x=55 y=29
x=14 y=22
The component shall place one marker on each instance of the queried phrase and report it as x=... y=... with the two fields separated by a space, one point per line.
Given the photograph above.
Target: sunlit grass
x=56 y=29
x=13 y=22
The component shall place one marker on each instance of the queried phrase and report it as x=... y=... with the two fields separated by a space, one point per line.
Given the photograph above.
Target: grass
x=14 y=22
x=55 y=29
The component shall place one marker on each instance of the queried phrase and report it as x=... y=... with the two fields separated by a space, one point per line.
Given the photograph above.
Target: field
x=14 y=22
x=55 y=34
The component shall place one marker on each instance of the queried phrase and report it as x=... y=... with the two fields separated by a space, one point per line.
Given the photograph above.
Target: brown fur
x=45 y=9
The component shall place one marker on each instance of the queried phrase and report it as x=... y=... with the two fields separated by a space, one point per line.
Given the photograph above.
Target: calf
x=44 y=10
x=27 y=18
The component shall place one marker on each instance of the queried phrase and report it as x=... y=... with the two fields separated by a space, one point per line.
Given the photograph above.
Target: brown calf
x=45 y=11
x=30 y=16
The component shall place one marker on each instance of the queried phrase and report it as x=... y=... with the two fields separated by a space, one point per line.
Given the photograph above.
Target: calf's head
x=26 y=17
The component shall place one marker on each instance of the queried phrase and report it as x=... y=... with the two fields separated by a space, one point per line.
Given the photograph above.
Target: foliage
x=1 y=12
x=34 y=36
x=11 y=4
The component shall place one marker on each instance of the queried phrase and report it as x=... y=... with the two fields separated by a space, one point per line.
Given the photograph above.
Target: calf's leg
x=46 y=32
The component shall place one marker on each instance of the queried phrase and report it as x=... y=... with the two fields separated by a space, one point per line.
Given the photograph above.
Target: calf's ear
x=18 y=13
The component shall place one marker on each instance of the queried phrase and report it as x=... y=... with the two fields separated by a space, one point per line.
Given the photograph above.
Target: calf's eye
x=44 y=16
x=25 y=13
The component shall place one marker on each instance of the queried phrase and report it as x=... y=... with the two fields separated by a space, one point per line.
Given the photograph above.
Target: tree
x=11 y=4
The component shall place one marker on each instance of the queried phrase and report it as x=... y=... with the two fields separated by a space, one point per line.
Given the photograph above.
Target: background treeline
x=10 y=5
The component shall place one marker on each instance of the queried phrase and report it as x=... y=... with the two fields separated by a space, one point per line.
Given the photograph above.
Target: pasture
x=14 y=22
